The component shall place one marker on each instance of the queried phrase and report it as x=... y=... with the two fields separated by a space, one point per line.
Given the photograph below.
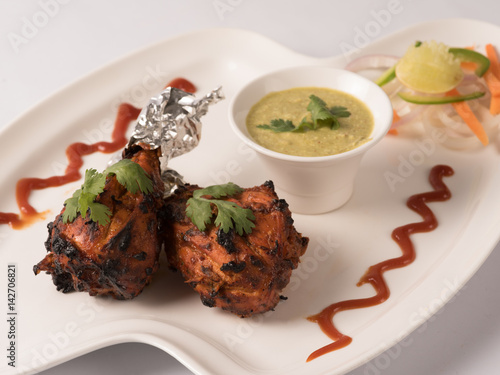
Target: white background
x=75 y=37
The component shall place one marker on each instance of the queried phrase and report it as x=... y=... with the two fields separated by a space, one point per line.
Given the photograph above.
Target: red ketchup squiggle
x=183 y=84
x=374 y=274
x=75 y=153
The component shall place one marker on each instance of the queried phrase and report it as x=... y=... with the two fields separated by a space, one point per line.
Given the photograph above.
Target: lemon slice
x=429 y=68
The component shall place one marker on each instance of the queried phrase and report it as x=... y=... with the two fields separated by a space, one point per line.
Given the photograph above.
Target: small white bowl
x=312 y=185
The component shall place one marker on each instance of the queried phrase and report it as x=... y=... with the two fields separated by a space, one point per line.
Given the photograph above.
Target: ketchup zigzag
x=374 y=274
x=75 y=153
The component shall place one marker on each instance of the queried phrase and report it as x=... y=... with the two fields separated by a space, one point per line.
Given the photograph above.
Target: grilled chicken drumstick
x=117 y=259
x=242 y=274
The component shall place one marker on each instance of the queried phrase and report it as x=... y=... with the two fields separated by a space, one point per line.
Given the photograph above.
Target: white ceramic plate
x=53 y=327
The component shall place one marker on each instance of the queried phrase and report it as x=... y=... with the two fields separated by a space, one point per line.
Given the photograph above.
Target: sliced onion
x=467 y=87
x=410 y=113
x=392 y=88
x=411 y=116
x=469 y=78
x=491 y=123
x=372 y=62
x=455 y=134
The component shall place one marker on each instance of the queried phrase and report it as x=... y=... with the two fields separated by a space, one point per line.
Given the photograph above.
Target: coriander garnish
x=229 y=214
x=321 y=116
x=129 y=174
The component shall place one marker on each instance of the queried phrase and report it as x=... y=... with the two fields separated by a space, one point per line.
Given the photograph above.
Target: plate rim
x=152 y=46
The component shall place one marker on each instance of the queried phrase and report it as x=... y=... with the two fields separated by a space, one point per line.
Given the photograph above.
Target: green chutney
x=292 y=105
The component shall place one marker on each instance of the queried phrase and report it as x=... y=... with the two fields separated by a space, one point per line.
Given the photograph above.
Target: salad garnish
x=435 y=86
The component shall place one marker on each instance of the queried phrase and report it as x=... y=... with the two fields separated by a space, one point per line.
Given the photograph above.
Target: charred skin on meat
x=117 y=259
x=241 y=274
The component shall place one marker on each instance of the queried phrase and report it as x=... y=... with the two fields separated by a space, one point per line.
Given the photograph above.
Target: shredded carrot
x=495 y=105
x=492 y=78
x=469 y=65
x=494 y=63
x=493 y=84
x=469 y=118
x=395 y=118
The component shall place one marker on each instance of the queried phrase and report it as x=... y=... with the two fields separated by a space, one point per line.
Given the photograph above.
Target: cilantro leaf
x=303 y=125
x=131 y=176
x=199 y=211
x=99 y=213
x=339 y=111
x=334 y=124
x=229 y=214
x=321 y=116
x=94 y=182
x=71 y=210
x=217 y=191
x=85 y=200
x=279 y=126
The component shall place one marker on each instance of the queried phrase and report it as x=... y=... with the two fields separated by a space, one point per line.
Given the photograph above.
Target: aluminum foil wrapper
x=171 y=120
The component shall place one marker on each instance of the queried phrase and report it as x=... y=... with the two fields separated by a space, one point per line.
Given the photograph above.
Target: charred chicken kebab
x=107 y=239
x=243 y=274
x=117 y=259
